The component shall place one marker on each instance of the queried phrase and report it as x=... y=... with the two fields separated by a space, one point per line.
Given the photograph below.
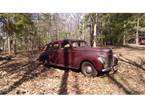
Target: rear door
x=53 y=53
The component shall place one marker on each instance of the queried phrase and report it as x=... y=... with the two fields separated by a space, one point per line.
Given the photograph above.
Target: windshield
x=76 y=44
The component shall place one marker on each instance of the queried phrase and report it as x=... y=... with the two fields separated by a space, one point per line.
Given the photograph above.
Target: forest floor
x=23 y=75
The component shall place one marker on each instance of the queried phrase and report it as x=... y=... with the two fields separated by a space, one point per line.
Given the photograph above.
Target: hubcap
x=88 y=69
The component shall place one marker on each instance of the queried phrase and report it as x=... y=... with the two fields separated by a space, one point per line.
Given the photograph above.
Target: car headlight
x=101 y=60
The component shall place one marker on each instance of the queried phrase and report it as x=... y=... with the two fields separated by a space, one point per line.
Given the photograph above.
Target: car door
x=76 y=53
x=64 y=54
x=53 y=54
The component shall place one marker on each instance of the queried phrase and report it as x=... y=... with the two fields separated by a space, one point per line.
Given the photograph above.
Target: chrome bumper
x=107 y=69
x=113 y=68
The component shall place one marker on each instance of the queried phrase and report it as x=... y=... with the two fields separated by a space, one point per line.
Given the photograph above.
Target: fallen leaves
x=34 y=79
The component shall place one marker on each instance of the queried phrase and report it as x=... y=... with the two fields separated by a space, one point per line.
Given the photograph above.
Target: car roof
x=61 y=41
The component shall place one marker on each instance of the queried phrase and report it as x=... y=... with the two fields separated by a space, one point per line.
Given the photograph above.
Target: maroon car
x=76 y=54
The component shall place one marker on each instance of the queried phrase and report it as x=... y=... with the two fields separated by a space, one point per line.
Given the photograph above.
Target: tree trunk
x=9 y=45
x=137 y=30
x=124 y=41
x=91 y=35
x=5 y=42
x=95 y=34
x=14 y=45
x=83 y=32
x=124 y=37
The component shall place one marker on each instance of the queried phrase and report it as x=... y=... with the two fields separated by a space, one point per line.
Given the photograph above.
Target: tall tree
x=15 y=24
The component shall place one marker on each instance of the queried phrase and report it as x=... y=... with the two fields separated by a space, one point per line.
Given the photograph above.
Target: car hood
x=95 y=49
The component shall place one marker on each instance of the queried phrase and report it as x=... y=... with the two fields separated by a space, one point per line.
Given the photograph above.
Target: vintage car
x=76 y=54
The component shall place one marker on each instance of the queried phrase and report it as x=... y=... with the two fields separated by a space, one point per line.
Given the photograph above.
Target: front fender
x=97 y=64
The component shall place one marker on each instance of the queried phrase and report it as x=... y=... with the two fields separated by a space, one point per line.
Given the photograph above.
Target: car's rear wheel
x=88 y=69
x=44 y=59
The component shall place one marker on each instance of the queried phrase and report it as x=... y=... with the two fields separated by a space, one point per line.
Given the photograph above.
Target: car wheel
x=44 y=59
x=88 y=69
x=46 y=63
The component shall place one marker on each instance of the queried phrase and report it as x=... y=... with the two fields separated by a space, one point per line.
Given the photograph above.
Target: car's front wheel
x=88 y=69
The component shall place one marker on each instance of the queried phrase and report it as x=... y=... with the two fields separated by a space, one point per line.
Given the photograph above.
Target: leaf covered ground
x=23 y=75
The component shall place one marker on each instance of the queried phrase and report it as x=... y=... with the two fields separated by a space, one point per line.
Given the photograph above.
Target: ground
x=23 y=75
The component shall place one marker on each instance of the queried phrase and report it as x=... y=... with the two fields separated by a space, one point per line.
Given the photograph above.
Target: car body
x=76 y=54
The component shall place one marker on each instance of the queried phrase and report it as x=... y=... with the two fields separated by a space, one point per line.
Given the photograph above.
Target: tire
x=44 y=59
x=88 y=69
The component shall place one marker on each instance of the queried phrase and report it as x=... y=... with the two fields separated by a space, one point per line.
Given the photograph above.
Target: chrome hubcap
x=88 y=69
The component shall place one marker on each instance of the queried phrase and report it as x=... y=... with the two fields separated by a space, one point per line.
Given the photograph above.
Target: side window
x=48 y=47
x=75 y=44
x=65 y=45
x=56 y=46
x=82 y=44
